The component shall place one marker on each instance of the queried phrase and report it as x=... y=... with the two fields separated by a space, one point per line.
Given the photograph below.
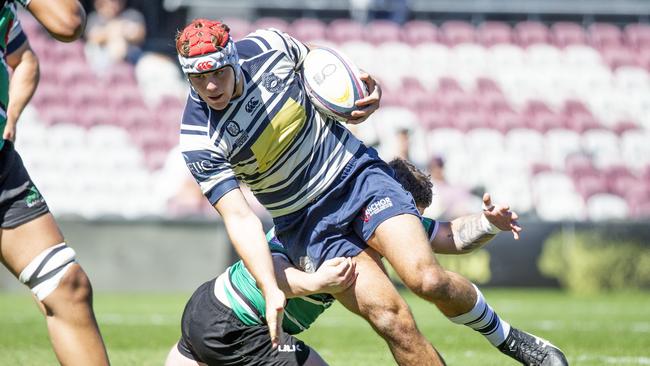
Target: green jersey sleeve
x=431 y=227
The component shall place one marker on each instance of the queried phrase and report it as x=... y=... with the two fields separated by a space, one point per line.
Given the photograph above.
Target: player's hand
x=369 y=104
x=275 y=302
x=9 y=132
x=336 y=274
x=501 y=216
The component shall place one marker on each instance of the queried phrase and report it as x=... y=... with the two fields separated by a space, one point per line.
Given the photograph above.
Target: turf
x=609 y=329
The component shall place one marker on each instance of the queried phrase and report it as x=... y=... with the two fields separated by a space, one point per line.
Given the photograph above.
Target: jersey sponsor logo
x=200 y=166
x=204 y=65
x=272 y=82
x=289 y=348
x=233 y=128
x=376 y=207
x=252 y=105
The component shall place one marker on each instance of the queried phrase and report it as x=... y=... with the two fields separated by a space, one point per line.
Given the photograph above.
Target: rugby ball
x=332 y=83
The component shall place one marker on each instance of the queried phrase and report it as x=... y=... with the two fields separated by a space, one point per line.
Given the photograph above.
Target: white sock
x=484 y=320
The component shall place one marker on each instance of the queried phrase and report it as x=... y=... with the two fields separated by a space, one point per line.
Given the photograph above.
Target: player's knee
x=393 y=321
x=75 y=285
x=432 y=284
x=55 y=270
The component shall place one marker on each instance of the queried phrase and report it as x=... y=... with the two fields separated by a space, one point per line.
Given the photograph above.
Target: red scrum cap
x=205 y=45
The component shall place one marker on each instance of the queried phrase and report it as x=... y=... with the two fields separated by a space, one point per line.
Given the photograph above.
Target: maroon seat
x=567 y=33
x=637 y=35
x=344 y=30
x=381 y=31
x=239 y=28
x=582 y=122
x=578 y=165
x=618 y=55
x=589 y=185
x=455 y=32
x=271 y=22
x=492 y=32
x=416 y=32
x=308 y=29
x=505 y=121
x=574 y=107
x=625 y=125
x=605 y=35
x=530 y=32
x=545 y=120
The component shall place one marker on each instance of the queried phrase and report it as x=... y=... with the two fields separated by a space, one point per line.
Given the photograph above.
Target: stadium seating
x=554 y=118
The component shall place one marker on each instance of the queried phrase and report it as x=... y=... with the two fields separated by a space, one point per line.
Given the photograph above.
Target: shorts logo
x=233 y=128
x=272 y=82
x=252 y=105
x=33 y=197
x=376 y=207
x=289 y=348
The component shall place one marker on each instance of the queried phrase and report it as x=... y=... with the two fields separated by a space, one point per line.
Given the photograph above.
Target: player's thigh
x=403 y=242
x=175 y=358
x=21 y=244
x=373 y=293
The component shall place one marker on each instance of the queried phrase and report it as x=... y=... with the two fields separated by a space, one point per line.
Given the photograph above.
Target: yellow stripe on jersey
x=279 y=134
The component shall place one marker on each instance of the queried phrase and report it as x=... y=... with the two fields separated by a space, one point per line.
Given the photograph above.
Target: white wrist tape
x=487 y=226
x=43 y=274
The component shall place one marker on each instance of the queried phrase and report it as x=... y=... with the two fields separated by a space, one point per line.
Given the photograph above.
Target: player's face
x=215 y=87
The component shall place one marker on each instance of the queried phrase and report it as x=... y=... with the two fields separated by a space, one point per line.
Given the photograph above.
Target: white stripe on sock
x=480 y=317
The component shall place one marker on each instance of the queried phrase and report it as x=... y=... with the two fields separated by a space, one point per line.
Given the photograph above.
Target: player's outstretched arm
x=245 y=232
x=24 y=63
x=333 y=276
x=468 y=233
x=65 y=20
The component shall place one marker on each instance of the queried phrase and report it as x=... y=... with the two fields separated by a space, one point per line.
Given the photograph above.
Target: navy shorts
x=340 y=222
x=20 y=200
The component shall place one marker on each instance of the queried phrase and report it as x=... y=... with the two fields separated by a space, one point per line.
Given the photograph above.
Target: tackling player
x=248 y=119
x=222 y=321
x=32 y=246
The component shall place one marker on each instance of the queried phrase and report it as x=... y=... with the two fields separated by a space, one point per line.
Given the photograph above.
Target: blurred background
x=543 y=103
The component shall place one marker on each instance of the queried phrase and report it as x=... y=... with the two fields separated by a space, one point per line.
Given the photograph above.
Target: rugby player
x=31 y=245
x=222 y=323
x=248 y=119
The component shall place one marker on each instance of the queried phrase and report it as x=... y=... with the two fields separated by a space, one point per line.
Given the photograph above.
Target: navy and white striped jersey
x=271 y=137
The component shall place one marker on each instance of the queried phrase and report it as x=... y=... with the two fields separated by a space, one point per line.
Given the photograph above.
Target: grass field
x=139 y=329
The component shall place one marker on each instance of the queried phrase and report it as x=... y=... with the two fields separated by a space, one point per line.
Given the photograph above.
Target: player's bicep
x=233 y=206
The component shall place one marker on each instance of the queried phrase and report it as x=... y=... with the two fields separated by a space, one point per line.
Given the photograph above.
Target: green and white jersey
x=247 y=301
x=11 y=38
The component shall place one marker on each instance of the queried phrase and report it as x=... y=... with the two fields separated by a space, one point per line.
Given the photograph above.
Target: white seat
x=561 y=207
x=444 y=141
x=512 y=189
x=579 y=55
x=606 y=207
x=542 y=56
x=526 y=143
x=635 y=149
x=558 y=144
